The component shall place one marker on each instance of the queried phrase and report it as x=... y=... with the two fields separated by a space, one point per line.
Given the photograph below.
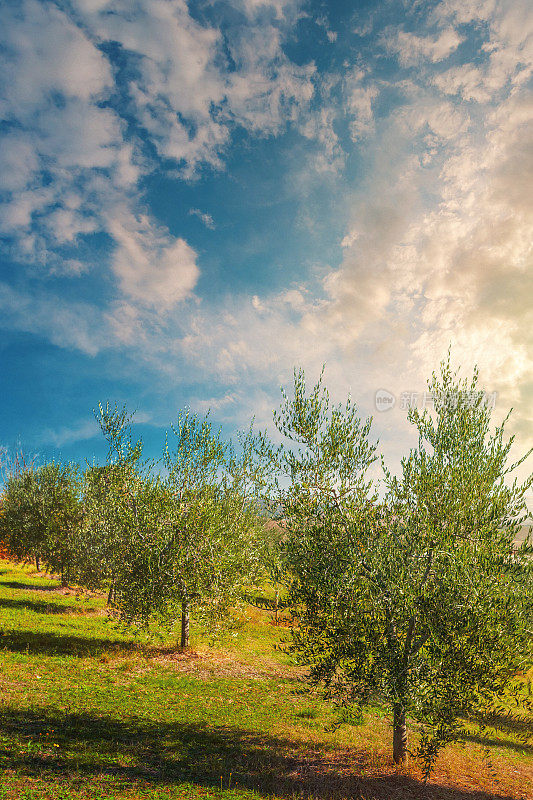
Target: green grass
x=89 y=711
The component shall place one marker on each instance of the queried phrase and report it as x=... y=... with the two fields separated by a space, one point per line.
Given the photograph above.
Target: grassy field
x=92 y=712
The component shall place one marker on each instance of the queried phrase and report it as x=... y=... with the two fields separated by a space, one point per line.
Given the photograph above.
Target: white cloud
x=52 y=84
x=449 y=258
x=80 y=136
x=153 y=268
x=67 y=324
x=18 y=162
x=267 y=89
x=203 y=405
x=438 y=251
x=69 y=172
x=183 y=94
x=206 y=218
x=70 y=169
x=413 y=49
x=83 y=430
x=359 y=98
x=280 y=9
x=177 y=81
x=508 y=48
x=47 y=53
x=319 y=126
x=437 y=248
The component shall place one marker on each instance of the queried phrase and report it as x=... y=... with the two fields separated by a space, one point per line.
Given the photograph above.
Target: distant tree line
x=414 y=596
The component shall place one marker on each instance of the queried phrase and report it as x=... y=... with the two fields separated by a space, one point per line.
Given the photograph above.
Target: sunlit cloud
x=403 y=142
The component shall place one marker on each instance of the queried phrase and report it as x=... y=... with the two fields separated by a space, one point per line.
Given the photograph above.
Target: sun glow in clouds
x=201 y=196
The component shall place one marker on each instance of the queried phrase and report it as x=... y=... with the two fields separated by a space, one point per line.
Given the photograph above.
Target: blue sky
x=196 y=197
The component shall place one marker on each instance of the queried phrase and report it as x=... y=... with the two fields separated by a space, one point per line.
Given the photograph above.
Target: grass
x=89 y=711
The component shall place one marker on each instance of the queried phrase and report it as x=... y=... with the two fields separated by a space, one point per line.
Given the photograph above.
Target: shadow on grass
x=29 y=587
x=42 y=607
x=509 y=723
x=494 y=741
x=48 y=643
x=151 y=754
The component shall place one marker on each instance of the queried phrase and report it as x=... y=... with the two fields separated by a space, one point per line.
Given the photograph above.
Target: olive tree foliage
x=108 y=499
x=417 y=600
x=212 y=548
x=40 y=515
x=14 y=460
x=22 y=526
x=124 y=505
x=464 y=630
x=99 y=540
x=189 y=539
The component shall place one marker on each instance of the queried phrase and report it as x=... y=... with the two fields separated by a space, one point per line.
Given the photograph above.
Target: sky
x=196 y=197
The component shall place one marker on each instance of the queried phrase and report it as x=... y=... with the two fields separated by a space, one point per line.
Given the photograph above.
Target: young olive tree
x=102 y=537
x=123 y=503
x=464 y=626
x=41 y=515
x=22 y=530
x=419 y=600
x=192 y=538
x=215 y=546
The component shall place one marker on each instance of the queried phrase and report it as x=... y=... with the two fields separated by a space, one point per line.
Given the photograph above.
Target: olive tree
x=41 y=515
x=214 y=547
x=190 y=538
x=419 y=599
x=22 y=529
x=102 y=537
x=122 y=503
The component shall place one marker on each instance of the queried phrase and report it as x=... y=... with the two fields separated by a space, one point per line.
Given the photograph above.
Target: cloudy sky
x=197 y=196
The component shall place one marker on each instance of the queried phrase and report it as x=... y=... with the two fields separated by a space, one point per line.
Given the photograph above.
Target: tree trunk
x=37 y=563
x=399 y=735
x=111 y=594
x=184 y=642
